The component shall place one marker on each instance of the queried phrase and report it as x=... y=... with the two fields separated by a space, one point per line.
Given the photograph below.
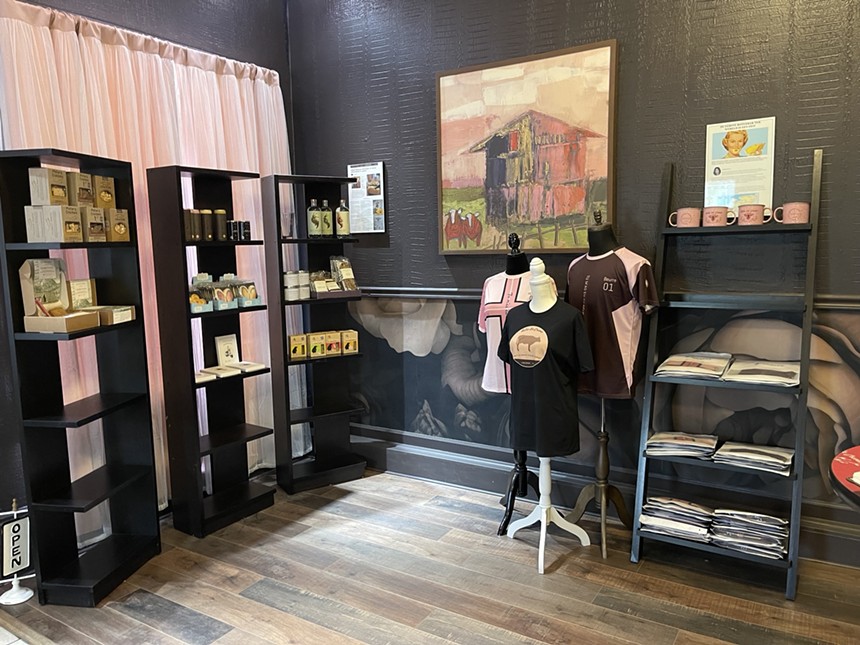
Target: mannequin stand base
x=603 y=494
x=546 y=514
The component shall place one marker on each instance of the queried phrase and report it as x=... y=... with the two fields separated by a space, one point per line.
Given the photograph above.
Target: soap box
x=61 y=224
x=349 y=341
x=104 y=192
x=332 y=343
x=113 y=314
x=34 y=223
x=48 y=187
x=93 y=222
x=316 y=345
x=116 y=224
x=298 y=347
x=82 y=293
x=80 y=186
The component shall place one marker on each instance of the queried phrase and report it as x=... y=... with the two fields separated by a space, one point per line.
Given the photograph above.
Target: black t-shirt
x=546 y=352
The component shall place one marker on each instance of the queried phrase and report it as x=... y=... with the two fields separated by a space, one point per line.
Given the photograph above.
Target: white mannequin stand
x=544 y=296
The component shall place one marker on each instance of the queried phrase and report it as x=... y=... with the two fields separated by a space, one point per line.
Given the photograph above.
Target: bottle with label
x=341 y=218
x=314 y=220
x=327 y=223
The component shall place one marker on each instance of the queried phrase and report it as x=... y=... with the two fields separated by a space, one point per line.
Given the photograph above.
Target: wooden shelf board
x=226 y=243
x=730 y=385
x=232 y=379
x=57 y=157
x=306 y=361
x=309 y=473
x=771 y=302
x=73 y=335
x=84 y=411
x=228 y=312
x=320 y=240
x=707 y=463
x=225 y=507
x=98 y=569
x=49 y=246
x=92 y=489
x=221 y=437
x=324 y=301
x=710 y=548
x=305 y=415
x=313 y=179
x=770 y=227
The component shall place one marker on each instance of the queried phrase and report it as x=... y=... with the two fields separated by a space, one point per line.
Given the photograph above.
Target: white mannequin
x=544 y=296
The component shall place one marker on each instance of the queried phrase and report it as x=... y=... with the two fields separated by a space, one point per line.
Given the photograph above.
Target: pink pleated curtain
x=74 y=84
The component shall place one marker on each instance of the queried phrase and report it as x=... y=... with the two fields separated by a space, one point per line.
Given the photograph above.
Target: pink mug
x=753 y=214
x=718 y=216
x=792 y=213
x=685 y=217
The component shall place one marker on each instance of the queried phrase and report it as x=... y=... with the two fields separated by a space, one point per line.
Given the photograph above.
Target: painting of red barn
x=526 y=146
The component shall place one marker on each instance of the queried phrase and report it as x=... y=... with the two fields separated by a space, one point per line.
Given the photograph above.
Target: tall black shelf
x=749 y=261
x=332 y=460
x=224 y=443
x=32 y=401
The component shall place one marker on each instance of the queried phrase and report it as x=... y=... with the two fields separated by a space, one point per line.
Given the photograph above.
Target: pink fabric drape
x=74 y=84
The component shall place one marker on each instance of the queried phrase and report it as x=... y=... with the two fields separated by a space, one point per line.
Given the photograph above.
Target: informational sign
x=739 y=163
x=366 y=198
x=16 y=546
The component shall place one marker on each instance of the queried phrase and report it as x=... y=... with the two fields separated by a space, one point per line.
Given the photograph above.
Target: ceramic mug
x=685 y=217
x=718 y=216
x=792 y=213
x=753 y=214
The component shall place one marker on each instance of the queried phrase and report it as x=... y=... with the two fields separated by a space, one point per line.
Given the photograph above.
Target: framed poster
x=366 y=198
x=739 y=163
x=526 y=146
x=227 y=349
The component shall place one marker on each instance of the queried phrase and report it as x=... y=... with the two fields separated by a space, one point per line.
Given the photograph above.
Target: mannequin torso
x=601 y=240
x=544 y=294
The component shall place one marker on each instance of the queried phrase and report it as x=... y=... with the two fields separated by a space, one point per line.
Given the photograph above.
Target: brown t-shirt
x=611 y=291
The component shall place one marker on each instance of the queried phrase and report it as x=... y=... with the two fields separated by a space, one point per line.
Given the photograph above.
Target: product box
x=104 y=193
x=349 y=341
x=82 y=293
x=113 y=314
x=316 y=345
x=93 y=223
x=80 y=186
x=116 y=223
x=332 y=343
x=48 y=187
x=72 y=229
x=61 y=224
x=298 y=347
x=34 y=223
x=45 y=297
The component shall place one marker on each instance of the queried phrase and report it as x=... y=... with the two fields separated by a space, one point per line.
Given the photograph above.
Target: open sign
x=16 y=546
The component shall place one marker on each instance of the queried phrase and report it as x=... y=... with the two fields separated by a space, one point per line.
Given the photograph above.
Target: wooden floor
x=389 y=559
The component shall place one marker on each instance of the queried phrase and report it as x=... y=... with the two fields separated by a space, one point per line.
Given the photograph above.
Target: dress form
x=601 y=240
x=544 y=296
x=521 y=477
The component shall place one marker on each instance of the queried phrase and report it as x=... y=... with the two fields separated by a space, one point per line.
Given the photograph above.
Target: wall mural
x=425 y=361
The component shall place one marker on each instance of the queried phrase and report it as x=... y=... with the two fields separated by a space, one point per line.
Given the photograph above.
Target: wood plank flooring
x=389 y=559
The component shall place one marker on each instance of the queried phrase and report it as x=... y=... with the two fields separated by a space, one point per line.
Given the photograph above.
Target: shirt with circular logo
x=546 y=352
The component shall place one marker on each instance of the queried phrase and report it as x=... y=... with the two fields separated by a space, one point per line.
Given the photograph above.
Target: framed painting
x=526 y=146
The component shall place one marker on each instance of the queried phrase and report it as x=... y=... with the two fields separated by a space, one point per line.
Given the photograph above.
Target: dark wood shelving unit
x=332 y=460
x=32 y=400
x=222 y=446
x=749 y=256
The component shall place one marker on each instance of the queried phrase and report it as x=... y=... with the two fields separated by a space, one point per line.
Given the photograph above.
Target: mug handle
x=778 y=211
x=675 y=213
x=731 y=218
x=767 y=216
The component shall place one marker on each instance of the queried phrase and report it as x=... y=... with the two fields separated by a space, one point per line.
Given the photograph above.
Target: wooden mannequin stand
x=521 y=479
x=601 y=491
x=546 y=514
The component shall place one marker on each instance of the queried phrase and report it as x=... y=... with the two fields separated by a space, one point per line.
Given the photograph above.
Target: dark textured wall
x=363 y=74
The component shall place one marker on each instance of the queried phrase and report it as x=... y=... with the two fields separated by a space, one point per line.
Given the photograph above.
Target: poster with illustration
x=366 y=198
x=739 y=163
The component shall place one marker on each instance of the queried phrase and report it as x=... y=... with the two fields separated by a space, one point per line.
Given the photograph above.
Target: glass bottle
x=341 y=218
x=327 y=224
x=314 y=220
